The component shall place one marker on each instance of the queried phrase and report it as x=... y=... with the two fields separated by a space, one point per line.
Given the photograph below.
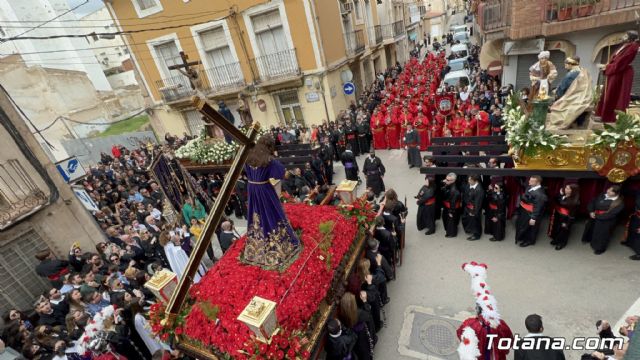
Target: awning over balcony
x=605 y=42
x=490 y=52
x=523 y=47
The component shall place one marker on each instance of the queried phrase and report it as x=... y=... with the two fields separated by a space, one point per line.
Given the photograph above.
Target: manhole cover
x=439 y=337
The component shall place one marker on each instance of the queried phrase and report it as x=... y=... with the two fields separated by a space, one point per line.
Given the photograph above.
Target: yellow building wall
x=340 y=101
x=218 y=10
x=166 y=120
x=300 y=34
x=330 y=23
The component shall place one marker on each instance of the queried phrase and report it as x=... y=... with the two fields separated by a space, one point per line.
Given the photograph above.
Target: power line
x=111 y=22
x=48 y=21
x=95 y=48
x=92 y=34
x=153 y=17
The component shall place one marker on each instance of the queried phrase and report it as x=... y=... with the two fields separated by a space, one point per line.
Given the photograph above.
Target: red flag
x=444 y=103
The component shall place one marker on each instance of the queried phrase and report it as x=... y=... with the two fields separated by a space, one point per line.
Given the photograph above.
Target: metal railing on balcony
x=354 y=41
x=562 y=10
x=226 y=77
x=496 y=14
x=377 y=30
x=387 y=31
x=398 y=28
x=223 y=78
x=174 y=88
x=19 y=193
x=277 y=66
x=375 y=35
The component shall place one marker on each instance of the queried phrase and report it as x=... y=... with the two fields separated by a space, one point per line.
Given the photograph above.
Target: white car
x=459 y=29
x=453 y=78
x=463 y=37
x=460 y=50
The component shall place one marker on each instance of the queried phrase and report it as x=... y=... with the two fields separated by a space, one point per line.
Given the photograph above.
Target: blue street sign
x=70 y=169
x=349 y=88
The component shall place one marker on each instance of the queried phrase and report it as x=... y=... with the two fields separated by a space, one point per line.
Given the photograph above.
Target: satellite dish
x=346 y=76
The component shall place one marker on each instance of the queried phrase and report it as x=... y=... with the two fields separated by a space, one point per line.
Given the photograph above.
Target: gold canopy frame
x=213 y=220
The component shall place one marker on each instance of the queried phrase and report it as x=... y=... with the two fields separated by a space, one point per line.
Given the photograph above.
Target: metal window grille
x=20 y=286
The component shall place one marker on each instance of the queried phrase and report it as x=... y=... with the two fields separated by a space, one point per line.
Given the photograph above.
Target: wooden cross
x=213 y=220
x=191 y=73
x=186 y=69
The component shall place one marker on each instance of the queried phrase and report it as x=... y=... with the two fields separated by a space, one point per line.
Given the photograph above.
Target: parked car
x=460 y=50
x=463 y=37
x=460 y=77
x=458 y=64
x=458 y=29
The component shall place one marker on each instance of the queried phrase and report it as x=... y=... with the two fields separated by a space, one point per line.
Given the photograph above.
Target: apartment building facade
x=514 y=31
x=38 y=211
x=288 y=59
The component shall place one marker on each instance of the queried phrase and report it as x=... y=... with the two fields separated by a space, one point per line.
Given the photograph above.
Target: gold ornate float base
x=617 y=164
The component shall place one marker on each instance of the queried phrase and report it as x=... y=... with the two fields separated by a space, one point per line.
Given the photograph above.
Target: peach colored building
x=288 y=59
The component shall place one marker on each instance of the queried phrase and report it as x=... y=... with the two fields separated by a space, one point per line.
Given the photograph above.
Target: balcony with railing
x=219 y=79
x=355 y=42
x=562 y=10
x=495 y=15
x=561 y=16
x=277 y=66
x=19 y=193
x=375 y=35
x=387 y=31
x=398 y=28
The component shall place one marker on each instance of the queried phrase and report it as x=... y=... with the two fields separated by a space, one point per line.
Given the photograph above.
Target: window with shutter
x=169 y=55
x=216 y=47
x=194 y=122
x=146 y=4
x=290 y=108
x=19 y=283
x=269 y=32
x=145 y=8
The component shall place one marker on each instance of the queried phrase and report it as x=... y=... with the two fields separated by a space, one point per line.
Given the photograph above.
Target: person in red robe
x=437 y=126
x=422 y=128
x=484 y=124
x=617 y=90
x=456 y=126
x=393 y=131
x=470 y=126
x=378 y=129
x=474 y=331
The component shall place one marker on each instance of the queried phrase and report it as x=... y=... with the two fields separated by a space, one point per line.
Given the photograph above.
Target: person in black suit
x=496 y=212
x=533 y=323
x=632 y=238
x=530 y=212
x=450 y=206
x=603 y=212
x=472 y=216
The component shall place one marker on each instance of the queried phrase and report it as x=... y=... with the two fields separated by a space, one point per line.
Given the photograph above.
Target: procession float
x=272 y=292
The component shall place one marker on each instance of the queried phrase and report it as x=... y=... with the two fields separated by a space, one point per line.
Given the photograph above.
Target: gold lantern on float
x=347 y=191
x=260 y=317
x=163 y=284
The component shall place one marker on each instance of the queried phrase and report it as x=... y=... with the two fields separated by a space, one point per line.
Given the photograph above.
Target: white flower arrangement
x=625 y=129
x=526 y=135
x=216 y=152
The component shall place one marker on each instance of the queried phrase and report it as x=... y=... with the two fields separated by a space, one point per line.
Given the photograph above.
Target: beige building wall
x=46 y=94
x=61 y=223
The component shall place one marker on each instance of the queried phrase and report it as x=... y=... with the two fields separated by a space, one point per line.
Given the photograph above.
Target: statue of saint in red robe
x=617 y=92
